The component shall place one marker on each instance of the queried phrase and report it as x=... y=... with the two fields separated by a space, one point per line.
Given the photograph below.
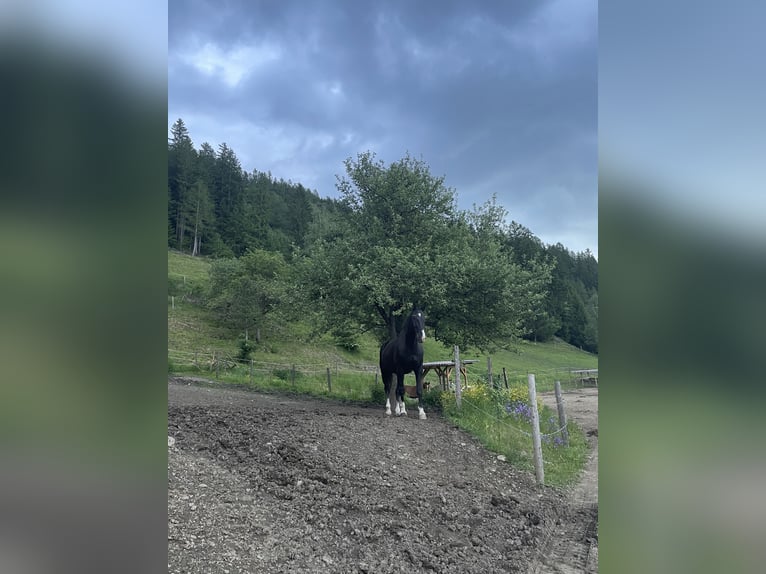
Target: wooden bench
x=585 y=376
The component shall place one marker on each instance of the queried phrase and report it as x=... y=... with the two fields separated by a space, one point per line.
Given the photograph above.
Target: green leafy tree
x=384 y=252
x=399 y=240
x=490 y=297
x=247 y=294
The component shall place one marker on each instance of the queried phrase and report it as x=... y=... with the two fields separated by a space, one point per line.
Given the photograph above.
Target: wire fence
x=569 y=377
x=230 y=368
x=505 y=421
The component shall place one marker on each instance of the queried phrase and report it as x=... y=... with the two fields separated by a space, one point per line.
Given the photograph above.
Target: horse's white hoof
x=422 y=414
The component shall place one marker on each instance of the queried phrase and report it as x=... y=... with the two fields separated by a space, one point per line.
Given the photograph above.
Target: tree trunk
x=178 y=225
x=195 y=245
x=181 y=233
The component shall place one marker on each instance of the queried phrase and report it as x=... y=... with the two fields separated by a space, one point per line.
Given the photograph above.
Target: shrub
x=346 y=339
x=448 y=401
x=479 y=394
x=286 y=374
x=175 y=285
x=517 y=395
x=433 y=399
x=378 y=394
x=245 y=350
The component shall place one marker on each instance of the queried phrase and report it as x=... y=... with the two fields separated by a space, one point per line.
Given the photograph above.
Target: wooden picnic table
x=443 y=370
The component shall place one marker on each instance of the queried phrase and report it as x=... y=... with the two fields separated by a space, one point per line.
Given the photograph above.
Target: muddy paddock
x=269 y=483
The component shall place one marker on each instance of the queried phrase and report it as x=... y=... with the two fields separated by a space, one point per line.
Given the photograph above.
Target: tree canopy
x=404 y=242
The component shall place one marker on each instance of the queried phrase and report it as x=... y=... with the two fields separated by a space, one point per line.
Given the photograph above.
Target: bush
x=378 y=394
x=245 y=350
x=286 y=374
x=346 y=339
x=447 y=401
x=517 y=395
x=175 y=285
x=433 y=399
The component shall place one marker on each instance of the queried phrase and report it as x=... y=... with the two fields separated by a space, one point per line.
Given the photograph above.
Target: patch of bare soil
x=268 y=483
x=572 y=546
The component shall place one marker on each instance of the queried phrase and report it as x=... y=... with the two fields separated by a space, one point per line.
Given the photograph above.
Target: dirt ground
x=271 y=483
x=573 y=546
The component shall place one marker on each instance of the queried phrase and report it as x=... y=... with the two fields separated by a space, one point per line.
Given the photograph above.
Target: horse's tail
x=380 y=355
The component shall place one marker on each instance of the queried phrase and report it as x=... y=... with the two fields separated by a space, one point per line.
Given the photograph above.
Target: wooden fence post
x=458 y=392
x=536 y=442
x=217 y=364
x=251 y=372
x=329 y=381
x=172 y=302
x=505 y=378
x=489 y=372
x=562 y=413
x=292 y=374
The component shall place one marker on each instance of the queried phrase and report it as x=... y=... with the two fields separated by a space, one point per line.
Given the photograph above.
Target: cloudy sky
x=499 y=97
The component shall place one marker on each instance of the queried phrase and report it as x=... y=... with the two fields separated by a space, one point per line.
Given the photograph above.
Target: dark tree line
x=216 y=208
x=344 y=252
x=570 y=311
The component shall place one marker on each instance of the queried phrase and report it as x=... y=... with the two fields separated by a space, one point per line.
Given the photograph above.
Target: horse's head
x=418 y=324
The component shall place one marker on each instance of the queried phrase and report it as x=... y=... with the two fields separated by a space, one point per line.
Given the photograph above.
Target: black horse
x=404 y=355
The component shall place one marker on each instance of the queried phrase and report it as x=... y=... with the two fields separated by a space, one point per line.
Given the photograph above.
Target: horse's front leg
x=387 y=386
x=400 y=410
x=419 y=388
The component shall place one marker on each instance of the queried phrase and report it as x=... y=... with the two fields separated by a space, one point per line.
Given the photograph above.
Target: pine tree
x=181 y=175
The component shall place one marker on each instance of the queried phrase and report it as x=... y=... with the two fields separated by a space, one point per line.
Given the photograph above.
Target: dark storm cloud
x=499 y=97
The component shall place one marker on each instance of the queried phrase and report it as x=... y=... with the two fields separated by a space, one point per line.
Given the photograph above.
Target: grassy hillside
x=191 y=329
x=193 y=268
